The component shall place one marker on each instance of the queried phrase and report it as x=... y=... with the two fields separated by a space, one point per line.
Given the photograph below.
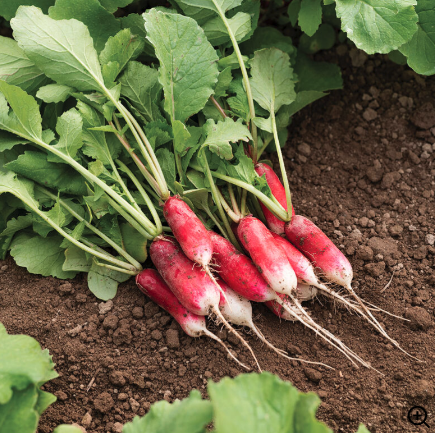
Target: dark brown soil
x=361 y=165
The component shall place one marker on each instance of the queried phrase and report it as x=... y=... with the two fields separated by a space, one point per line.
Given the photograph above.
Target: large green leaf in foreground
x=420 y=50
x=378 y=26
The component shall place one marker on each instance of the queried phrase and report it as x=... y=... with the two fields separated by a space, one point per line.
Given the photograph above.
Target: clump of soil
x=361 y=166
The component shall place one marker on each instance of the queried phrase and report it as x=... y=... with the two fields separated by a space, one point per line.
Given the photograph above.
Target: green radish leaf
x=35 y=166
x=199 y=198
x=181 y=137
x=57 y=215
x=25 y=120
x=158 y=133
x=63 y=49
x=16 y=224
x=221 y=134
x=104 y=282
x=101 y=23
x=318 y=76
x=420 y=50
x=109 y=225
x=140 y=85
x=223 y=83
x=268 y=37
x=113 y=5
x=45 y=399
x=54 y=93
x=252 y=8
x=272 y=79
x=167 y=162
x=323 y=39
x=69 y=127
x=362 y=429
x=303 y=99
x=397 y=57
x=244 y=169
x=293 y=11
x=239 y=103
x=190 y=415
x=64 y=428
x=310 y=16
x=9 y=8
x=232 y=62
x=188 y=62
x=192 y=145
x=197 y=179
x=217 y=33
x=20 y=188
x=134 y=243
x=213 y=5
x=95 y=143
x=378 y=26
x=17 y=69
x=76 y=260
x=41 y=256
x=8 y=141
x=305 y=415
x=120 y=49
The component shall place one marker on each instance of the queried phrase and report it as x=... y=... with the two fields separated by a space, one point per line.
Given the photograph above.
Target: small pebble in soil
x=313 y=375
x=86 y=420
x=150 y=309
x=375 y=269
x=430 y=239
x=375 y=172
x=116 y=378
x=419 y=319
x=172 y=338
x=137 y=312
x=156 y=335
x=110 y=322
x=104 y=402
x=105 y=307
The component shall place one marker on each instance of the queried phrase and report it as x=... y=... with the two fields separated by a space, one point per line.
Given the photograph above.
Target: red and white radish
x=277 y=188
x=267 y=255
x=193 y=288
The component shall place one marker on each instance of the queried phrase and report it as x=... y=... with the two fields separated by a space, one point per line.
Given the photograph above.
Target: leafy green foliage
x=188 y=62
x=310 y=16
x=104 y=282
x=9 y=8
x=420 y=50
x=378 y=26
x=24 y=367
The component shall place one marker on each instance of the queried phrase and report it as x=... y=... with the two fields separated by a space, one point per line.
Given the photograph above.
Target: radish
x=273 y=222
x=190 y=233
x=244 y=278
x=314 y=244
x=238 y=310
x=152 y=285
x=193 y=288
x=269 y=257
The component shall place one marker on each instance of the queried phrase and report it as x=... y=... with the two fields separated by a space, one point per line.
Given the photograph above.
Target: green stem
x=272 y=205
x=179 y=167
x=233 y=200
x=282 y=165
x=114 y=268
x=230 y=212
x=258 y=211
x=243 y=203
x=263 y=148
x=134 y=223
x=145 y=196
x=99 y=233
x=219 y=108
x=77 y=243
x=245 y=78
x=215 y=195
x=217 y=223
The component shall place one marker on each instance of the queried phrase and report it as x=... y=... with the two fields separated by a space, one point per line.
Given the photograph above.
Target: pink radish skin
x=189 y=283
x=152 y=285
x=277 y=188
x=189 y=231
x=315 y=245
x=239 y=272
x=268 y=256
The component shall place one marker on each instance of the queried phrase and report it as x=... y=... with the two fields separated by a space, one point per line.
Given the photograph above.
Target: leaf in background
x=62 y=177
x=319 y=76
x=293 y=11
x=104 y=282
x=272 y=79
x=221 y=134
x=101 y=23
x=323 y=39
x=243 y=170
x=252 y=8
x=362 y=429
x=192 y=145
x=181 y=137
x=224 y=81
x=54 y=93
x=190 y=415
x=9 y=183
x=310 y=16
x=140 y=85
x=158 y=133
x=41 y=256
x=303 y=99
x=135 y=23
x=188 y=63
x=213 y=5
x=305 y=415
x=69 y=127
x=8 y=8
x=231 y=61
x=120 y=49
x=109 y=225
x=25 y=119
x=113 y=5
x=64 y=428
x=134 y=243
x=378 y=26
x=167 y=163
x=17 y=69
x=217 y=33
x=268 y=37
x=16 y=224
x=420 y=50
x=8 y=141
x=239 y=103
x=76 y=260
x=57 y=215
x=95 y=144
x=63 y=50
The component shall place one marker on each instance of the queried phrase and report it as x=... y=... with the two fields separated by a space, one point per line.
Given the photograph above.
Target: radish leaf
x=9 y=8
x=420 y=50
x=54 y=93
x=188 y=63
x=310 y=16
x=378 y=26
x=63 y=50
x=104 y=282
x=217 y=33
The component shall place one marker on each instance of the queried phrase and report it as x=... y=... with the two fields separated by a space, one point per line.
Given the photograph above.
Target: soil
x=361 y=166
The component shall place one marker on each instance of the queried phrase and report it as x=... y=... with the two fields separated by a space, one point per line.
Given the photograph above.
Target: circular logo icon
x=417 y=415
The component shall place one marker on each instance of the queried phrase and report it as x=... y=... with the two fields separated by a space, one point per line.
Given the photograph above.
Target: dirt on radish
x=369 y=185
